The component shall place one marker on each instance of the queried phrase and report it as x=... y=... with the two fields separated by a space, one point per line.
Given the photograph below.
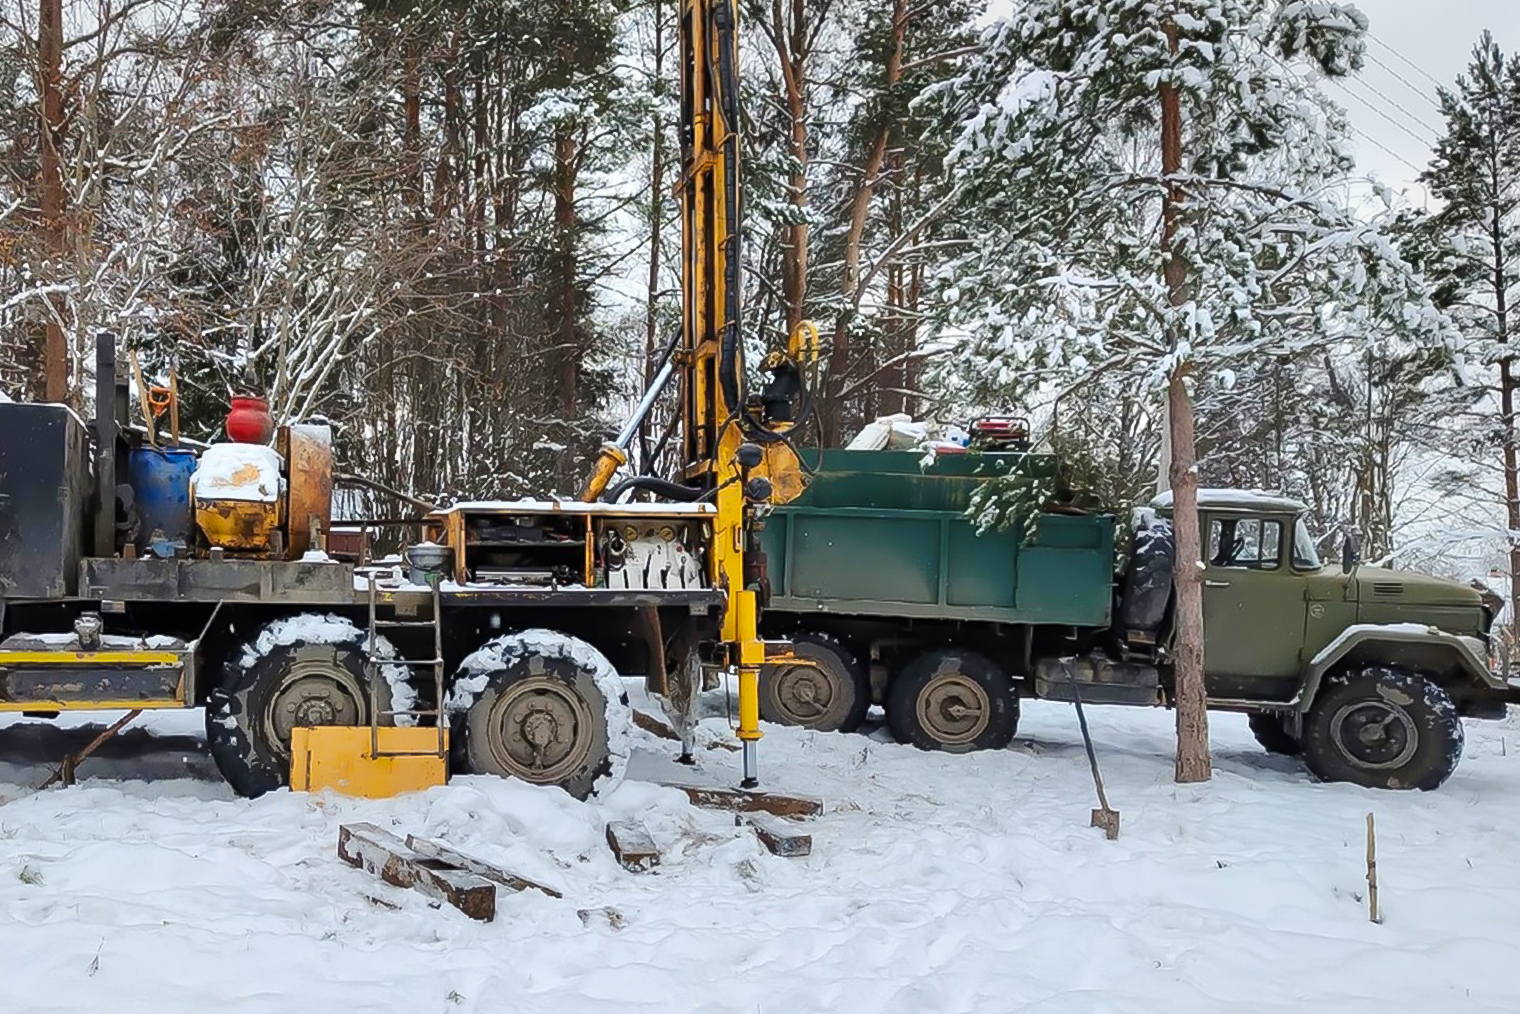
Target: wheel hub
x=954 y=709
x=314 y=692
x=542 y=730
x=805 y=693
x=1375 y=734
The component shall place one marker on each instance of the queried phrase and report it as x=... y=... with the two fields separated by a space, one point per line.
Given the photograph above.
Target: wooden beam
x=778 y=836
x=378 y=852
x=631 y=844
x=749 y=801
x=512 y=881
x=654 y=724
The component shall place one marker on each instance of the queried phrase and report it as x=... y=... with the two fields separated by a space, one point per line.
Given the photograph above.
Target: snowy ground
x=937 y=884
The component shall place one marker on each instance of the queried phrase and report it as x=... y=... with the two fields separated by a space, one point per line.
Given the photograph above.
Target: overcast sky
x=1392 y=105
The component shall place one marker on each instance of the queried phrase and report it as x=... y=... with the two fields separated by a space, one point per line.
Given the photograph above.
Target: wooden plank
x=432 y=850
x=631 y=844
x=747 y=801
x=778 y=837
x=653 y=723
x=378 y=852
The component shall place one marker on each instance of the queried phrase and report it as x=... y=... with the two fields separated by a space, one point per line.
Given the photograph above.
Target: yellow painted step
x=338 y=757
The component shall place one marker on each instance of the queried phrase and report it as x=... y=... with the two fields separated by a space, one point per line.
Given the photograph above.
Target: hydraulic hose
x=660 y=487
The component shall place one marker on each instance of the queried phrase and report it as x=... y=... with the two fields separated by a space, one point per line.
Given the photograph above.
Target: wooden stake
x=1372 y=884
x=142 y=397
x=174 y=405
x=65 y=774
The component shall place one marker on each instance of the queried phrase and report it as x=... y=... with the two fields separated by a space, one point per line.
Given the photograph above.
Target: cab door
x=1253 y=607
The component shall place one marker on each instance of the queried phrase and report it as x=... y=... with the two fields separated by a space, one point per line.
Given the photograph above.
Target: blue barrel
x=160 y=478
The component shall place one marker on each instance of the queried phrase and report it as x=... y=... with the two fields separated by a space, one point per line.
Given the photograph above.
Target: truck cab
x=1366 y=671
x=1274 y=610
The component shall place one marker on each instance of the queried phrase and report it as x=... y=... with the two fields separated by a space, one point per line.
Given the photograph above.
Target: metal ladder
x=373 y=662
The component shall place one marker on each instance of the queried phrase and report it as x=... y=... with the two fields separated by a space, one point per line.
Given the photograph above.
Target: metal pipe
x=656 y=386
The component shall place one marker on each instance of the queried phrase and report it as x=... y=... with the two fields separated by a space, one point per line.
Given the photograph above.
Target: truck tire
x=1383 y=729
x=1147 y=585
x=532 y=708
x=834 y=697
x=953 y=700
x=1272 y=734
x=297 y=671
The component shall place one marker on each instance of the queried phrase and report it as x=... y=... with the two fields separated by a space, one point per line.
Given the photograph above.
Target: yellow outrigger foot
x=355 y=760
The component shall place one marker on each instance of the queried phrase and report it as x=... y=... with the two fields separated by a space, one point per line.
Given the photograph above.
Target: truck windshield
x=1305 y=556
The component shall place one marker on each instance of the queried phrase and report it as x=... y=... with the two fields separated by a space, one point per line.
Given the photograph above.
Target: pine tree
x=1471 y=250
x=1093 y=251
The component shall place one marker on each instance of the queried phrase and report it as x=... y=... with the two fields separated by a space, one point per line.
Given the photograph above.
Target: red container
x=249 y=421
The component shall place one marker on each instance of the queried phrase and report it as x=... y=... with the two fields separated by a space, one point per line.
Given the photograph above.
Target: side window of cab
x=1245 y=543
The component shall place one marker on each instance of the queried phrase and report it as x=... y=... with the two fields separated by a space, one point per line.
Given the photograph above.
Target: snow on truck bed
x=937 y=883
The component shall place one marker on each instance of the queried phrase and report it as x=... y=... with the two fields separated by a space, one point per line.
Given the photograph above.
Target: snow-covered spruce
x=562 y=669
x=303 y=669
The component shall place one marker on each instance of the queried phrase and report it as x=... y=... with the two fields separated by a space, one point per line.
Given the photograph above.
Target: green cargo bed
x=879 y=534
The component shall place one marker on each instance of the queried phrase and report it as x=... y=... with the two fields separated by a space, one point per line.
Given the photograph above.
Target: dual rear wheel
x=945 y=699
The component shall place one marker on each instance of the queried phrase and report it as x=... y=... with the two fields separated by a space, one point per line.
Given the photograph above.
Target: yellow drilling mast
x=735 y=449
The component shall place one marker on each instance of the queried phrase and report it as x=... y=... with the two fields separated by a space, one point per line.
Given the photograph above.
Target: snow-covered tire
x=953 y=700
x=833 y=697
x=544 y=707
x=1383 y=729
x=1273 y=734
x=298 y=670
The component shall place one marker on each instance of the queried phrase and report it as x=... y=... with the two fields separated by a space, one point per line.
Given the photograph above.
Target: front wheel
x=1383 y=729
x=953 y=700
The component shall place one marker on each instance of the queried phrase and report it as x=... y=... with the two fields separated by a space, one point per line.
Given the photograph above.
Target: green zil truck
x=880 y=578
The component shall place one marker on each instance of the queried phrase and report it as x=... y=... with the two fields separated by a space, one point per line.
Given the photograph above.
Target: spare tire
x=1148 y=579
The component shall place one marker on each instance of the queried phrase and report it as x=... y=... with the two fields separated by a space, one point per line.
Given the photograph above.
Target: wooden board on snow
x=631 y=844
x=382 y=854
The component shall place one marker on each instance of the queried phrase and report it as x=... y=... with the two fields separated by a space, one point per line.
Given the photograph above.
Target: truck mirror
x=1351 y=553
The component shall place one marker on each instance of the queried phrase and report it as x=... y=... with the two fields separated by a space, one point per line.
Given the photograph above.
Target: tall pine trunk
x=1507 y=386
x=1187 y=630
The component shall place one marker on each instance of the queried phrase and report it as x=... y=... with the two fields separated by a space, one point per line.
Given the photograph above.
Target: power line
x=1421 y=92
x=1387 y=150
x=1418 y=69
x=1412 y=116
x=1384 y=115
